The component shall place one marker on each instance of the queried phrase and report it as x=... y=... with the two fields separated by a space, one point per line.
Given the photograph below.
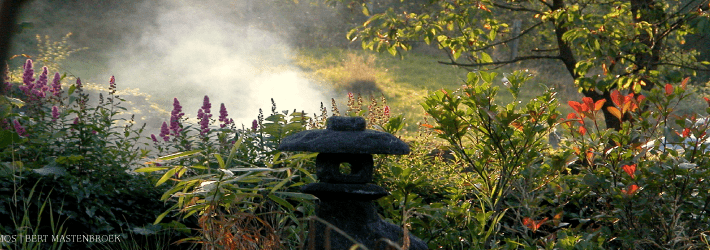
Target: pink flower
x=55 y=113
x=206 y=105
x=165 y=132
x=204 y=121
x=56 y=85
x=41 y=85
x=28 y=78
x=175 y=117
x=19 y=129
x=112 y=85
x=78 y=84
x=223 y=116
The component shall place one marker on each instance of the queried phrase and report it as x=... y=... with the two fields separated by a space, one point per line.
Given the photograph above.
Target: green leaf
x=392 y=50
x=281 y=202
x=178 y=155
x=485 y=58
x=220 y=161
x=297 y=195
x=488 y=76
x=7 y=137
x=15 y=102
x=167 y=175
x=161 y=216
x=149 y=169
x=281 y=184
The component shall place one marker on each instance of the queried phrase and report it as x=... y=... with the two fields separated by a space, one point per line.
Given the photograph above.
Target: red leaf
x=599 y=104
x=588 y=102
x=483 y=7
x=631 y=190
x=576 y=106
x=686 y=132
x=582 y=130
x=614 y=111
x=630 y=170
x=532 y=224
x=617 y=98
x=669 y=89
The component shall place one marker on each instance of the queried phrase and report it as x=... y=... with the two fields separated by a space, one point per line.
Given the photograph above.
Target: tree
x=603 y=44
x=8 y=13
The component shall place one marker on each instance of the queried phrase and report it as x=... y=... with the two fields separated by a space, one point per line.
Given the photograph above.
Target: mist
x=182 y=49
x=189 y=49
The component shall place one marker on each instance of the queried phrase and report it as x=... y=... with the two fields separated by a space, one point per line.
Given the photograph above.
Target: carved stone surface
x=328 y=168
x=345 y=135
x=331 y=191
x=359 y=220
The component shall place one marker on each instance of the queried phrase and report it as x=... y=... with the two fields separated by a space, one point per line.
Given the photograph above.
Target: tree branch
x=513 y=8
x=517 y=59
x=682 y=66
x=545 y=3
x=511 y=39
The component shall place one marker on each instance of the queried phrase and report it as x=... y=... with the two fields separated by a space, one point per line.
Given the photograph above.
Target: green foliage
x=655 y=165
x=25 y=224
x=495 y=142
x=628 y=45
x=240 y=202
x=80 y=151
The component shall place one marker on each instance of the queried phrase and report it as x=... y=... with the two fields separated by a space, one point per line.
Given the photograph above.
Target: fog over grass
x=190 y=49
x=184 y=49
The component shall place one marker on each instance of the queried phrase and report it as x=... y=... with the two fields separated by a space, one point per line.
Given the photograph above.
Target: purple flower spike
x=112 y=85
x=19 y=129
x=41 y=85
x=55 y=113
x=28 y=76
x=204 y=121
x=223 y=116
x=165 y=132
x=254 y=125
x=78 y=83
x=206 y=106
x=152 y=136
x=175 y=117
x=56 y=85
x=42 y=81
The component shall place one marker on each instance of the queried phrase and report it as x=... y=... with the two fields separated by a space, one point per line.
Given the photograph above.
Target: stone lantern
x=346 y=200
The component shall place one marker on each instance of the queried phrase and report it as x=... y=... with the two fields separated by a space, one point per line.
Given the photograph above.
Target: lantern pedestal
x=346 y=199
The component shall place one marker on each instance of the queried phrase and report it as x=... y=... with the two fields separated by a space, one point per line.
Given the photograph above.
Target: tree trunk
x=648 y=11
x=8 y=14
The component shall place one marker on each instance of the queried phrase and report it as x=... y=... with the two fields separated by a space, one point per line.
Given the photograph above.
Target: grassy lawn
x=404 y=82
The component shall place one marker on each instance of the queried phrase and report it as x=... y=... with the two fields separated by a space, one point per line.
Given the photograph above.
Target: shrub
x=83 y=153
x=649 y=178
